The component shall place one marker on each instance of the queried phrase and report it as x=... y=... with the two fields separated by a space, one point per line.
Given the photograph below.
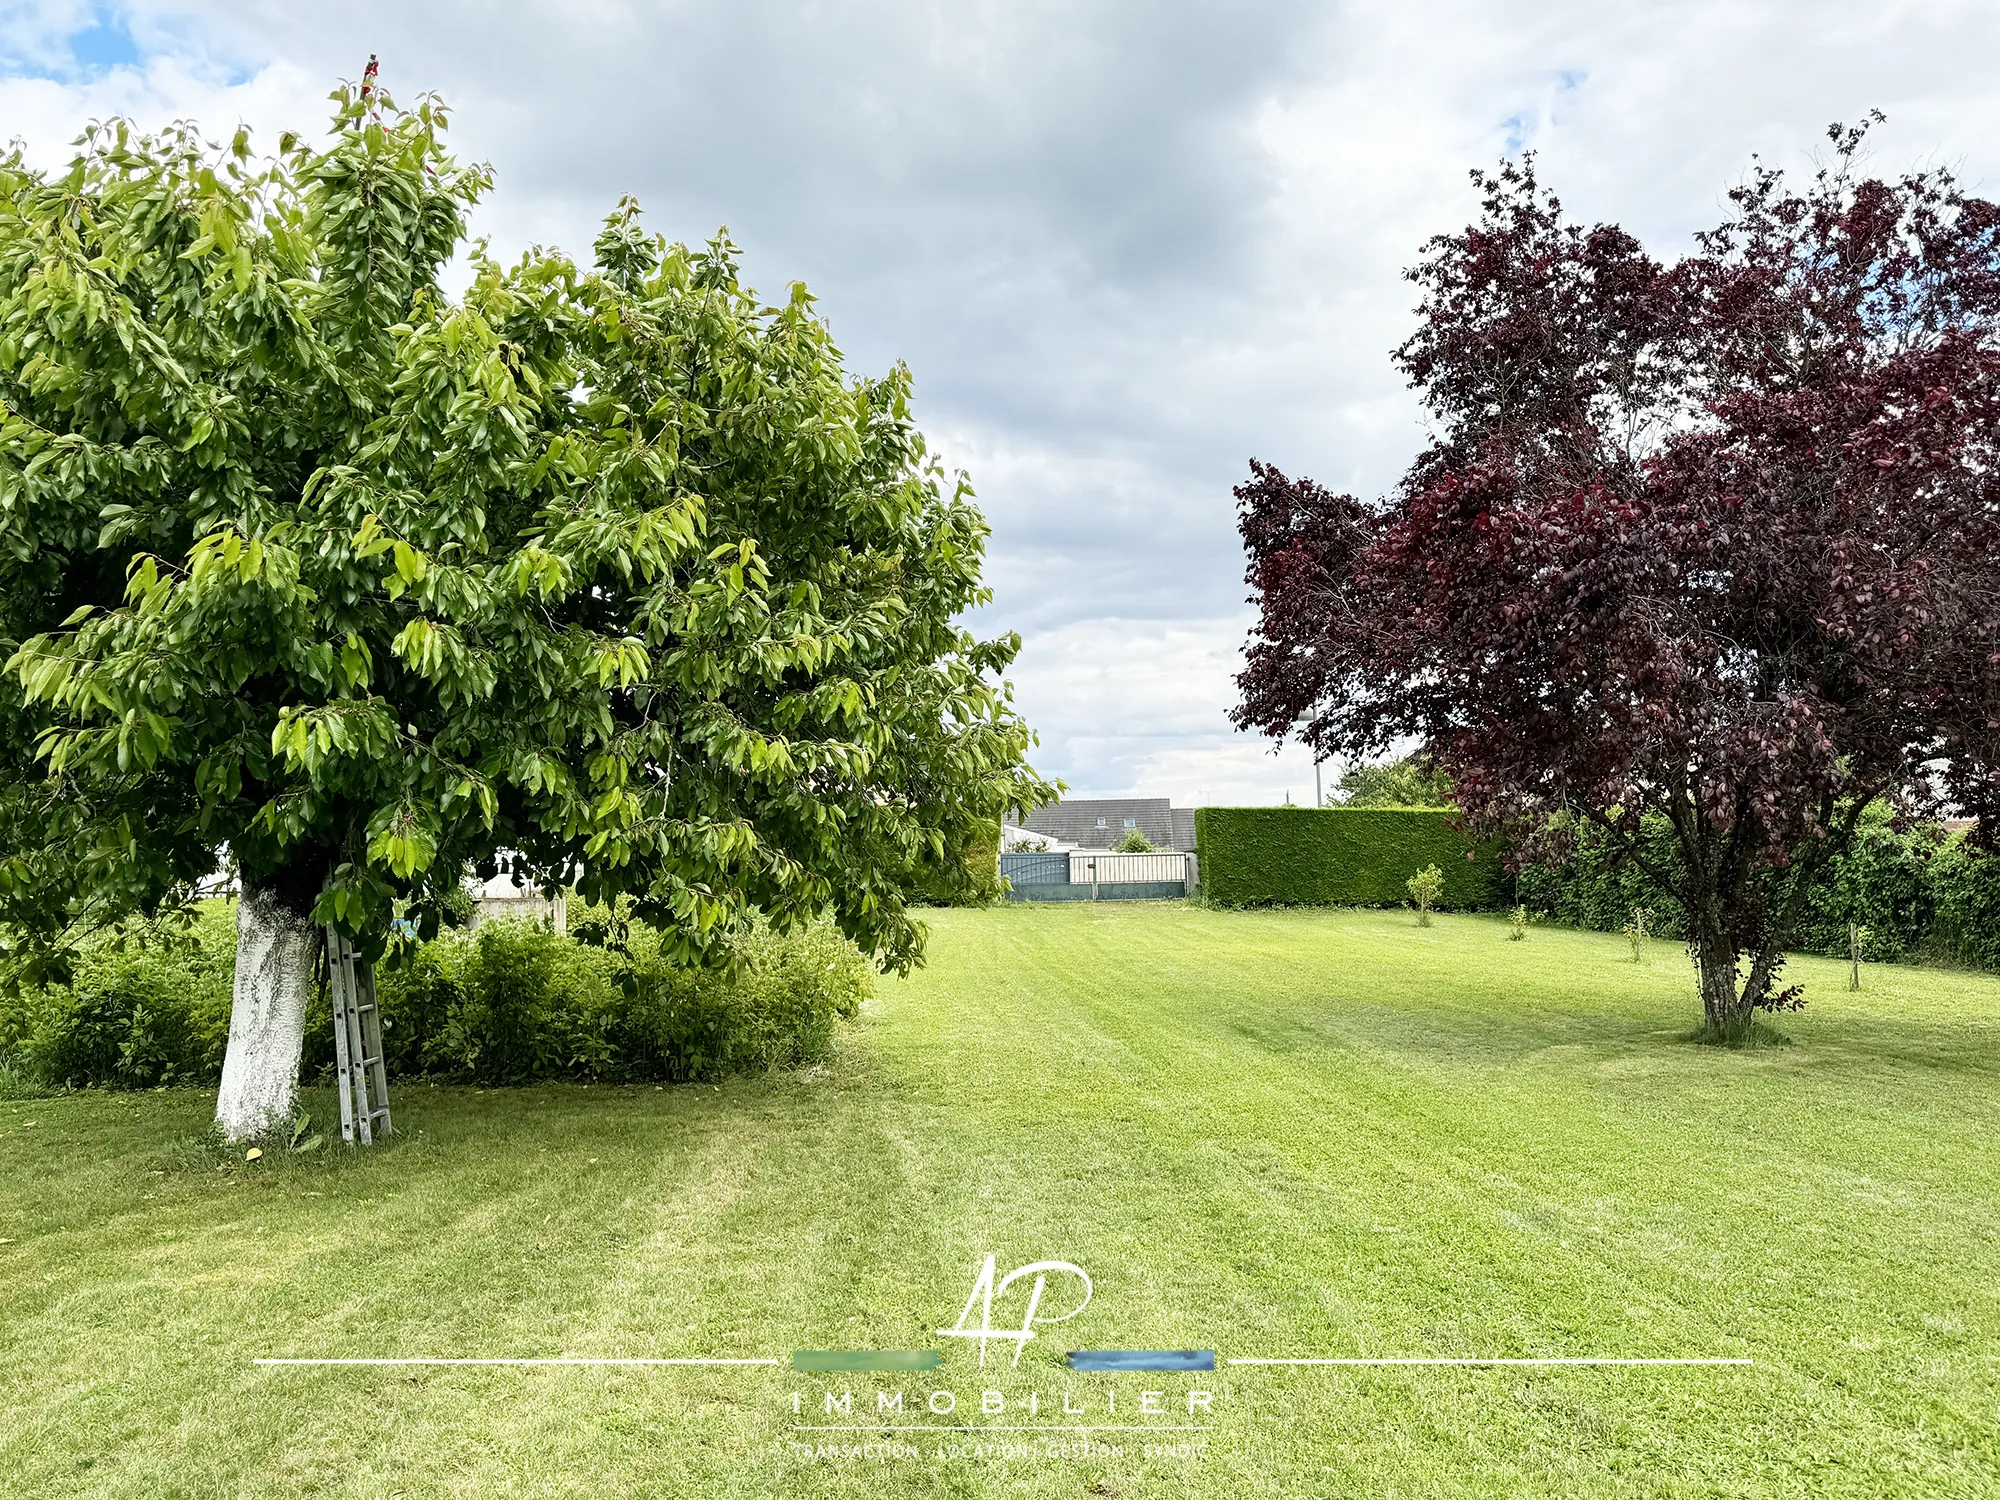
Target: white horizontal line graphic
x=1574 y=1360
x=1008 y=1427
x=563 y=1359
x=566 y=1359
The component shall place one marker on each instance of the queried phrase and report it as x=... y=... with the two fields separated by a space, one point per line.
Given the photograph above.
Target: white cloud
x=48 y=114
x=1140 y=707
x=1124 y=247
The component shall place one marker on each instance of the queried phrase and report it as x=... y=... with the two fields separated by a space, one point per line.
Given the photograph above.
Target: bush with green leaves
x=1964 y=888
x=777 y=1008
x=530 y=1005
x=511 y=1003
x=145 y=1004
x=1426 y=888
x=1923 y=893
x=1591 y=889
x=515 y=1003
x=1134 y=842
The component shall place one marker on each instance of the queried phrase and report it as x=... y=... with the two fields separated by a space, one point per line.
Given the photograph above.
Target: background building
x=503 y=897
x=1099 y=823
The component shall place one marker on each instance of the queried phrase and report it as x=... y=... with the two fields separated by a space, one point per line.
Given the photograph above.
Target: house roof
x=504 y=887
x=1078 y=822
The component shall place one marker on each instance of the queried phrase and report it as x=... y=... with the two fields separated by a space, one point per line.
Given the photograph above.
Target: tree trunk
x=1725 y=1009
x=277 y=954
x=1763 y=971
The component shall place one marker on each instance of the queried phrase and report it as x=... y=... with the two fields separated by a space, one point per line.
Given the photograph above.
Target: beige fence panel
x=1095 y=866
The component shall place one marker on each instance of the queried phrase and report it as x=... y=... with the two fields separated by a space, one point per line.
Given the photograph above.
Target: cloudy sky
x=1124 y=246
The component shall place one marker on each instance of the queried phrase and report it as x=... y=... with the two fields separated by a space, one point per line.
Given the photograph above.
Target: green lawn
x=1284 y=1134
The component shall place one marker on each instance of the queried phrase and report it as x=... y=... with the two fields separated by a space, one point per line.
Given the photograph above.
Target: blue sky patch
x=103 y=41
x=105 y=44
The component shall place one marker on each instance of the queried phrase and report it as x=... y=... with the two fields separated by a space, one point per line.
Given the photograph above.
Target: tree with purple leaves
x=1710 y=547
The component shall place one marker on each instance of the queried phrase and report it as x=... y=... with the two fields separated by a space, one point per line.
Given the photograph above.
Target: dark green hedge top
x=1341 y=856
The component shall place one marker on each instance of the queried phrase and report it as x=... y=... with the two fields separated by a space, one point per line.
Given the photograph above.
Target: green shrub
x=1588 y=890
x=1884 y=881
x=1425 y=887
x=418 y=993
x=1965 y=907
x=508 y=1025
x=516 y=1002
x=148 y=1004
x=970 y=878
x=512 y=1003
x=776 y=1009
x=1339 y=856
x=1134 y=842
x=1920 y=893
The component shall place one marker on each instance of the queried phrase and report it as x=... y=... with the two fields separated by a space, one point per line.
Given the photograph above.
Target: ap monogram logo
x=990 y=1287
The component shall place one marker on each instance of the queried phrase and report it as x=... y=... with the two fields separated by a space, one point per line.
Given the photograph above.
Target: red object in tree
x=1717 y=540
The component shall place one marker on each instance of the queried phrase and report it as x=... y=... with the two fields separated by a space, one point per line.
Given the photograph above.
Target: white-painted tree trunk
x=277 y=954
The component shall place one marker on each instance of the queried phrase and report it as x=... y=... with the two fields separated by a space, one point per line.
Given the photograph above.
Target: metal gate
x=1035 y=869
x=1096 y=875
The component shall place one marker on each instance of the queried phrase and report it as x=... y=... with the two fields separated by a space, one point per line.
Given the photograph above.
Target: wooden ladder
x=362 y=1081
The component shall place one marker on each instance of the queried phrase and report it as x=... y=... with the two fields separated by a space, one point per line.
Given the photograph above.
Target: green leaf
x=669 y=595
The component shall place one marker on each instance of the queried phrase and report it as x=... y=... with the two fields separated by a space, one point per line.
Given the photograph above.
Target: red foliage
x=1714 y=540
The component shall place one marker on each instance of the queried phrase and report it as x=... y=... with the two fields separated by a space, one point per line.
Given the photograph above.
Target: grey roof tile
x=1077 y=821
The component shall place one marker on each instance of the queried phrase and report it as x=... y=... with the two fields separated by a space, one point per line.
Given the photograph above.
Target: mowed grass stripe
x=1284 y=1134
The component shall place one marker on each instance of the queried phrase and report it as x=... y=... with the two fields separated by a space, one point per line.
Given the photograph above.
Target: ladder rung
x=363 y=1081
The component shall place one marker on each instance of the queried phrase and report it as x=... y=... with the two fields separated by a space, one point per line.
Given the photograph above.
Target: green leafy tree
x=1409 y=782
x=612 y=576
x=1134 y=842
x=1426 y=889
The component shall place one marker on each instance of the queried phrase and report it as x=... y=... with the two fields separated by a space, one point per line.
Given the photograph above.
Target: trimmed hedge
x=1341 y=856
x=1587 y=890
